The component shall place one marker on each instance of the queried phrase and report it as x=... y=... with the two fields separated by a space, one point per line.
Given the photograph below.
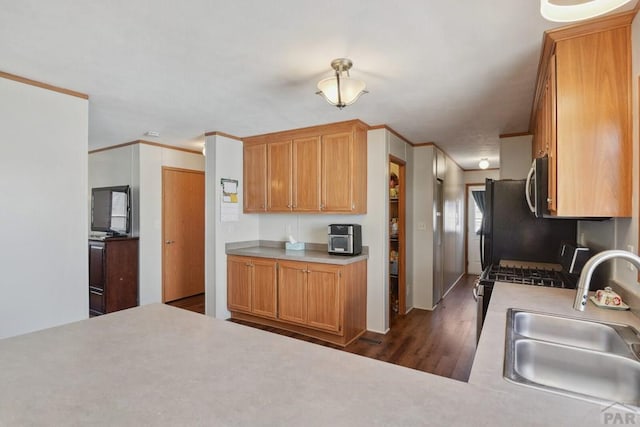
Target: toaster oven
x=345 y=239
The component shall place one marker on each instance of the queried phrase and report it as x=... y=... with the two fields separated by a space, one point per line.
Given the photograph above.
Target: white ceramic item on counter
x=607 y=298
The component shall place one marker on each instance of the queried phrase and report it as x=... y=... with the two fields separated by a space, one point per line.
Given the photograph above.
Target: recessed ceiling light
x=152 y=133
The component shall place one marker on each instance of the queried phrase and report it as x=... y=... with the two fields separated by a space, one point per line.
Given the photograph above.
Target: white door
x=474 y=219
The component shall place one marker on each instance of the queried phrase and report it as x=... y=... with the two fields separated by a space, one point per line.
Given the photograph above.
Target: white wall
x=424 y=182
x=479 y=176
x=151 y=161
x=43 y=164
x=422 y=213
x=515 y=157
x=620 y=233
x=224 y=160
x=454 y=217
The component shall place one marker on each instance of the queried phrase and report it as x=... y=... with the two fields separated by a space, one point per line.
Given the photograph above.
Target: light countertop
x=313 y=253
x=160 y=365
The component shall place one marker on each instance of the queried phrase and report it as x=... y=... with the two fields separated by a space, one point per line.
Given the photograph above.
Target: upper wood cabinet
x=582 y=118
x=255 y=177
x=321 y=169
x=306 y=174
x=279 y=176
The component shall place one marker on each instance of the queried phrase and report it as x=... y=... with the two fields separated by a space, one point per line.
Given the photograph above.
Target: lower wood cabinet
x=310 y=294
x=251 y=285
x=325 y=301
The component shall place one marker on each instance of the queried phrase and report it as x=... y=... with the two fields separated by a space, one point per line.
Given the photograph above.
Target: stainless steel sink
x=579 y=358
x=574 y=332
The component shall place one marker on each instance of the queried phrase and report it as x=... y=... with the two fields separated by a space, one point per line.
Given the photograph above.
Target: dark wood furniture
x=113 y=274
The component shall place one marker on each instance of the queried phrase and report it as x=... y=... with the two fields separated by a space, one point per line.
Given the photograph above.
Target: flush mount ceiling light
x=577 y=10
x=483 y=163
x=341 y=90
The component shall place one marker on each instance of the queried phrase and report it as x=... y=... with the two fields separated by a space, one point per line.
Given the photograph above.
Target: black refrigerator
x=511 y=232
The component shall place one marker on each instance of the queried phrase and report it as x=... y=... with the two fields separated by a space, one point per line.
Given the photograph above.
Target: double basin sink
x=591 y=360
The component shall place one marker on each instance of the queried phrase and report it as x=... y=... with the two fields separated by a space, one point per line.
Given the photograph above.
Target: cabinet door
x=594 y=148
x=279 y=176
x=552 y=136
x=306 y=174
x=96 y=265
x=121 y=274
x=292 y=292
x=263 y=290
x=337 y=172
x=239 y=284
x=255 y=177
x=324 y=297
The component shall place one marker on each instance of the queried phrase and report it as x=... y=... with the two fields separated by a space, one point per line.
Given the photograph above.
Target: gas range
x=519 y=273
x=547 y=276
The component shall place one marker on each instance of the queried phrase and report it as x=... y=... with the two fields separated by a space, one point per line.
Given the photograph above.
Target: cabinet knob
x=168 y=242
x=549 y=200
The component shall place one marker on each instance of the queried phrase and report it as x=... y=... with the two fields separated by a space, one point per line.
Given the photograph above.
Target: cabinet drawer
x=96 y=300
x=96 y=264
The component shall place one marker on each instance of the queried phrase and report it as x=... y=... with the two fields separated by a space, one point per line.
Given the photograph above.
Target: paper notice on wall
x=229 y=206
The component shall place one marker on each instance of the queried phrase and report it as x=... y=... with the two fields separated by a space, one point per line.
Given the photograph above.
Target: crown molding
x=142 y=141
x=226 y=135
x=43 y=85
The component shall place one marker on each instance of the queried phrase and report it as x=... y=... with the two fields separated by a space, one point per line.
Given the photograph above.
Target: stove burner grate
x=527 y=276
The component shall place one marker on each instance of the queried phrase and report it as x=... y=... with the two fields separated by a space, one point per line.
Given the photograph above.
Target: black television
x=111 y=210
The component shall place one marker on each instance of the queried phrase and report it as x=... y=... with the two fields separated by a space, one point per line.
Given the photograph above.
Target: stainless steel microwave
x=536 y=188
x=345 y=239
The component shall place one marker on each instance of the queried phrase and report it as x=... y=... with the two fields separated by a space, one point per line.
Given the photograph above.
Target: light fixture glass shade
x=483 y=164
x=577 y=10
x=341 y=90
x=350 y=90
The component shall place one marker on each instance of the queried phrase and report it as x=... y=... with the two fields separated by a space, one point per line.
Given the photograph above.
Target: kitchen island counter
x=159 y=365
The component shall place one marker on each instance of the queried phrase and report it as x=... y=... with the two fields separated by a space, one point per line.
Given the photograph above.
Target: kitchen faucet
x=582 y=290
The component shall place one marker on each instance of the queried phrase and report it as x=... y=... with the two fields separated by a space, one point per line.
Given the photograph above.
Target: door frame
x=162 y=241
x=402 y=244
x=466 y=222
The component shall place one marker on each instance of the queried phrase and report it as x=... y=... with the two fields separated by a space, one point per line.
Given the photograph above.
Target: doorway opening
x=397 y=239
x=182 y=234
x=474 y=202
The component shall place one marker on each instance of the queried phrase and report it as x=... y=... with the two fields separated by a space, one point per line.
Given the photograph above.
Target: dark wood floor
x=194 y=303
x=441 y=341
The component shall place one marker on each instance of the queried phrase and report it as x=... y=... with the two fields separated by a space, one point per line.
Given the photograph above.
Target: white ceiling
x=457 y=73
